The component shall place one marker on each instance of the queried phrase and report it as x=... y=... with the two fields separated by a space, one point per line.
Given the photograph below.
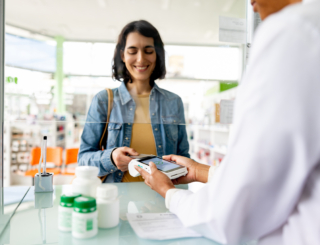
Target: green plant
x=226 y=86
x=12 y=80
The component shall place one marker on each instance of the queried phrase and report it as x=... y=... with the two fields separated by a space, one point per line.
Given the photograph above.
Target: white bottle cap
x=87 y=171
x=107 y=191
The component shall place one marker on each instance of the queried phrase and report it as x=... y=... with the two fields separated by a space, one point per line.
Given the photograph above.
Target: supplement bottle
x=108 y=206
x=84 y=217
x=65 y=211
x=86 y=181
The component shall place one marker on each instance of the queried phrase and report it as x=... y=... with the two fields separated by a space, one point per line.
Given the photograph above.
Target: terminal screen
x=161 y=164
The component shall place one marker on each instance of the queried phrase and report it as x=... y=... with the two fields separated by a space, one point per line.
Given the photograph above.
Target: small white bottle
x=84 y=217
x=65 y=211
x=86 y=181
x=108 y=206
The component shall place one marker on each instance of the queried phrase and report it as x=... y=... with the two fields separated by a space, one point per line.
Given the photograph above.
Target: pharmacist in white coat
x=268 y=186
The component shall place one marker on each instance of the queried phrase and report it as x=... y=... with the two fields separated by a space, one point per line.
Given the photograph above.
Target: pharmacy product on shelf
x=84 y=217
x=65 y=211
x=108 y=206
x=86 y=181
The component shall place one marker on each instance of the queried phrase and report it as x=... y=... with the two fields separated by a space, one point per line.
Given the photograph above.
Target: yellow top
x=142 y=139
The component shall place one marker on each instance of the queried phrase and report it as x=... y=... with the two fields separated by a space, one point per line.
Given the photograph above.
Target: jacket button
x=119 y=174
x=129 y=124
x=152 y=114
x=159 y=146
x=130 y=109
x=156 y=129
x=127 y=138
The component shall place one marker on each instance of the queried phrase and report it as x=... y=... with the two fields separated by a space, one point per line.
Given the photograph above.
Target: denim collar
x=156 y=88
x=125 y=96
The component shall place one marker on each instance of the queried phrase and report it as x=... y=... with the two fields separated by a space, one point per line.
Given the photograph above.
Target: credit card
x=141 y=156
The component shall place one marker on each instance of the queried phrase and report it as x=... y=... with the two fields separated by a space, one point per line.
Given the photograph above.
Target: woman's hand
x=121 y=159
x=157 y=181
x=196 y=171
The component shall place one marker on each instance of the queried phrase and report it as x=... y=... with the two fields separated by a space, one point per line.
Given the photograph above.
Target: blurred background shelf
x=20 y=137
x=208 y=137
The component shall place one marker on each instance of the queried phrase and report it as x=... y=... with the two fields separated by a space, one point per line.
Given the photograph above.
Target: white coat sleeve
x=275 y=141
x=171 y=192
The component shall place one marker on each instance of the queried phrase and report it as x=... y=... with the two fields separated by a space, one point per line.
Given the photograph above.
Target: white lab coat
x=268 y=186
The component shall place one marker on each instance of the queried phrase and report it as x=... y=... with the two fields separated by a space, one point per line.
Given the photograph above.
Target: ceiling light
x=197 y=3
x=165 y=4
x=102 y=3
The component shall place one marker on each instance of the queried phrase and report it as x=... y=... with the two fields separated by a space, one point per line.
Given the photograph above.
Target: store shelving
x=6 y=156
x=20 y=137
x=208 y=139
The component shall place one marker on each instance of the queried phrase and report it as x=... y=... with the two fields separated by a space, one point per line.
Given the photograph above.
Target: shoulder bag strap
x=104 y=137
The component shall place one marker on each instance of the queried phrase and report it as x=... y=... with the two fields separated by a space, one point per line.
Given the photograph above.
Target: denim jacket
x=168 y=126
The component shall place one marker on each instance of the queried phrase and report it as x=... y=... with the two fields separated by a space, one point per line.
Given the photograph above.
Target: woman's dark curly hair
x=119 y=70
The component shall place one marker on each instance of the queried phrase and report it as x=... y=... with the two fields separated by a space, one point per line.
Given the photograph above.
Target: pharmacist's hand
x=157 y=181
x=196 y=171
x=121 y=159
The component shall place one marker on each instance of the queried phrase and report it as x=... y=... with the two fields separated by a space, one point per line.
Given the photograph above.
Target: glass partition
x=58 y=61
x=12 y=197
x=2 y=24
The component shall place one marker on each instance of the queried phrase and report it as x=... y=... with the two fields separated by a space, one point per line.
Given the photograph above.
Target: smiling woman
x=139 y=56
x=144 y=118
x=139 y=53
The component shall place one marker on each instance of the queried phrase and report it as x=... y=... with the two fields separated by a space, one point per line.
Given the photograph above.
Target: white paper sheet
x=159 y=226
x=232 y=30
x=226 y=111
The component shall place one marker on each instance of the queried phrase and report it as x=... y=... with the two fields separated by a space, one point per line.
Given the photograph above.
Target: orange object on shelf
x=54 y=155
x=71 y=158
x=217 y=112
x=33 y=172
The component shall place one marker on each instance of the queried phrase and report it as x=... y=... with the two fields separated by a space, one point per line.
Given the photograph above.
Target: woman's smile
x=141 y=68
